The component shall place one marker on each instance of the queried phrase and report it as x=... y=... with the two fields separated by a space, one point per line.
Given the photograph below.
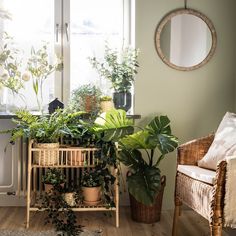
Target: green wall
x=195 y=101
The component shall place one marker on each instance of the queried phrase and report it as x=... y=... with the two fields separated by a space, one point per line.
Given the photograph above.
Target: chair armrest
x=218 y=194
x=189 y=153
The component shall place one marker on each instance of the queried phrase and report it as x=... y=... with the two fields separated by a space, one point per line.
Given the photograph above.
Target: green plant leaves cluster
x=46 y=129
x=118 y=68
x=144 y=177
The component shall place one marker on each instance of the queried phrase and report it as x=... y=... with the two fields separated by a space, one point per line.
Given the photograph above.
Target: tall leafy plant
x=138 y=153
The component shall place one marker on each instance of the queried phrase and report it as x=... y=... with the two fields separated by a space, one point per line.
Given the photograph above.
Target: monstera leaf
x=113 y=125
x=132 y=159
x=138 y=140
x=144 y=184
x=160 y=134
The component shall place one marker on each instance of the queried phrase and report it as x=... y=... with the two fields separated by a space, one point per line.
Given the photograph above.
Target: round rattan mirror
x=185 y=39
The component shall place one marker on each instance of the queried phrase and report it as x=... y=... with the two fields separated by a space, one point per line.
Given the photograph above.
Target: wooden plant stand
x=73 y=158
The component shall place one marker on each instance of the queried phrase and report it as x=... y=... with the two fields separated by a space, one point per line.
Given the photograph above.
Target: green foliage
x=86 y=97
x=119 y=68
x=53 y=176
x=105 y=98
x=40 y=68
x=113 y=125
x=91 y=178
x=45 y=129
x=59 y=213
x=144 y=178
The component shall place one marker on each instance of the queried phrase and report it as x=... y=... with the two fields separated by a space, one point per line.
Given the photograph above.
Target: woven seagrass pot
x=47 y=154
x=106 y=106
x=148 y=214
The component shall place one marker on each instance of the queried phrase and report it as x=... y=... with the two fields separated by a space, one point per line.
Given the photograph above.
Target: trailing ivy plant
x=59 y=213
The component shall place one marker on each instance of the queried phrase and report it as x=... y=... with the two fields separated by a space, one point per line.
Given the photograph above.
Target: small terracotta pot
x=92 y=195
x=49 y=187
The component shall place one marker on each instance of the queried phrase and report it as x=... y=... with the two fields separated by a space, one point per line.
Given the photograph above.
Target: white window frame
x=62 y=42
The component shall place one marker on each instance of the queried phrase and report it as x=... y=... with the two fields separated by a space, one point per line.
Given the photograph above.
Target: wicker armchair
x=204 y=198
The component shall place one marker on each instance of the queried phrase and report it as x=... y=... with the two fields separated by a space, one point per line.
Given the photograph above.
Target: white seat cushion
x=196 y=172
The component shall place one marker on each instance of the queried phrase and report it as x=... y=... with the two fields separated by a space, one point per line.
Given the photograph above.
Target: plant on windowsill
x=120 y=69
x=86 y=98
x=11 y=78
x=40 y=68
x=106 y=103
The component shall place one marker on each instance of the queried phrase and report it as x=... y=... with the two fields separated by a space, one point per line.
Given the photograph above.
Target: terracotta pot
x=48 y=155
x=148 y=214
x=49 y=187
x=76 y=157
x=92 y=195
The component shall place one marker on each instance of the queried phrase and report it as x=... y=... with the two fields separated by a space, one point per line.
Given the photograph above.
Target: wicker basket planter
x=106 y=106
x=148 y=214
x=48 y=155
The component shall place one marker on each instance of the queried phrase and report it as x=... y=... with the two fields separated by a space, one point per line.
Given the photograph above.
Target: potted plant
x=53 y=177
x=144 y=177
x=106 y=103
x=45 y=131
x=39 y=68
x=91 y=187
x=85 y=98
x=120 y=69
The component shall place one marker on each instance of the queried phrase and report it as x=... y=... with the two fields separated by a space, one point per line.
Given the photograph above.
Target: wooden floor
x=191 y=224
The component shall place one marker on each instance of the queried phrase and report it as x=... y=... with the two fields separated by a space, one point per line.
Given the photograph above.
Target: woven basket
x=148 y=214
x=48 y=155
x=106 y=106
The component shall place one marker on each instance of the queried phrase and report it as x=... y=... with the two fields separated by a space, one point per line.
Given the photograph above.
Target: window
x=75 y=30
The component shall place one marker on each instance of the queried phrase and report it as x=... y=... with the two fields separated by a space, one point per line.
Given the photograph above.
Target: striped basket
x=47 y=154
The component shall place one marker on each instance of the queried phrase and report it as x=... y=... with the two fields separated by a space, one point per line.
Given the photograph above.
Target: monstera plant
x=138 y=153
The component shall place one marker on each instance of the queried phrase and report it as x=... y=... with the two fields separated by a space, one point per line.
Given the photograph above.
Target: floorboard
x=190 y=223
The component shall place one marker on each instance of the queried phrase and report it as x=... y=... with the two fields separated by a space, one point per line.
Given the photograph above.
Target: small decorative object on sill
x=55 y=104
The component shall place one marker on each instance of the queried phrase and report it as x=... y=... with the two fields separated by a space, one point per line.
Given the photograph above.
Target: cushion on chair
x=195 y=172
x=224 y=143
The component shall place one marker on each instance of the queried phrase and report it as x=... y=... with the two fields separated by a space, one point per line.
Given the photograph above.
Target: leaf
x=36 y=86
x=137 y=140
x=113 y=125
x=160 y=134
x=132 y=159
x=144 y=184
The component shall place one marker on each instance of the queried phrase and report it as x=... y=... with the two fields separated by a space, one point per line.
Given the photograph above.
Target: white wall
x=195 y=101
